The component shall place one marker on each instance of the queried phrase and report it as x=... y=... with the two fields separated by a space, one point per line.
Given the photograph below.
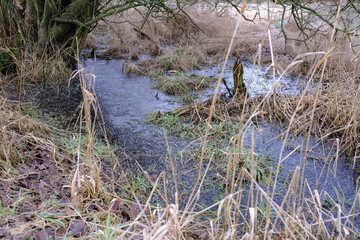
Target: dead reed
x=128 y=37
x=297 y=216
x=182 y=59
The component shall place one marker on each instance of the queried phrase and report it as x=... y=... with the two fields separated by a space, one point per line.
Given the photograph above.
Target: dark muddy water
x=126 y=100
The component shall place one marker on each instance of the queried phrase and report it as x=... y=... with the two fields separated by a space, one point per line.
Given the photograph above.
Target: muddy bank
x=60 y=100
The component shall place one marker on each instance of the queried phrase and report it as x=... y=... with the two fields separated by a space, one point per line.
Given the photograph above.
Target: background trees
x=316 y=17
x=44 y=26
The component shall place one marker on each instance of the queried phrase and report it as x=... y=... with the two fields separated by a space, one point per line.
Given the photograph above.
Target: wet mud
x=62 y=99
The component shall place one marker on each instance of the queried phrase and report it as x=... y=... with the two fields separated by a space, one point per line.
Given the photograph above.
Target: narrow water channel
x=126 y=100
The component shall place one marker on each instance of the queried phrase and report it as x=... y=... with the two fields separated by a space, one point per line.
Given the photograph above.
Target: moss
x=7 y=58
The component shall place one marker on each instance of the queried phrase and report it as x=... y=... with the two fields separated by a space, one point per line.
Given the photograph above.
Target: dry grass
x=337 y=111
x=180 y=84
x=213 y=38
x=329 y=105
x=18 y=133
x=343 y=62
x=31 y=69
x=28 y=68
x=182 y=59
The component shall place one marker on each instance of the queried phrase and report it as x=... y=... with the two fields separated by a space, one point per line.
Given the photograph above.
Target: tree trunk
x=30 y=23
x=48 y=24
x=43 y=33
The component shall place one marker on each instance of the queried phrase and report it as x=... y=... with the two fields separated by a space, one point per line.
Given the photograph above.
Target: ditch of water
x=126 y=100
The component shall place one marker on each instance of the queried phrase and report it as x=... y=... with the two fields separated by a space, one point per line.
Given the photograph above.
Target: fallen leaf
x=61 y=232
x=52 y=168
x=42 y=167
x=125 y=215
x=42 y=235
x=77 y=229
x=115 y=206
x=93 y=206
x=69 y=211
x=204 y=235
x=135 y=210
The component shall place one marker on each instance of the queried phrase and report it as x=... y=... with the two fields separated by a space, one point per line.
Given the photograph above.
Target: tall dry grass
x=28 y=68
x=239 y=215
x=18 y=133
x=86 y=182
x=211 y=33
x=329 y=106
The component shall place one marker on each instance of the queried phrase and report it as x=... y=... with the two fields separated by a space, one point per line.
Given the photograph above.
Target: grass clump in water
x=171 y=123
x=187 y=99
x=177 y=59
x=131 y=68
x=179 y=84
x=185 y=127
x=181 y=59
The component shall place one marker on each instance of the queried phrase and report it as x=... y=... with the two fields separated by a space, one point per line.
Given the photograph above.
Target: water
x=259 y=81
x=125 y=102
x=126 y=99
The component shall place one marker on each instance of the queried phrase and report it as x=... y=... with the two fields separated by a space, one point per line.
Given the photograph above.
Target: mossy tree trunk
x=45 y=25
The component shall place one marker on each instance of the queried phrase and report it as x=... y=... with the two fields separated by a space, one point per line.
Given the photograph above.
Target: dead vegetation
x=34 y=173
x=16 y=128
x=335 y=113
x=187 y=45
x=179 y=83
x=185 y=58
x=336 y=109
